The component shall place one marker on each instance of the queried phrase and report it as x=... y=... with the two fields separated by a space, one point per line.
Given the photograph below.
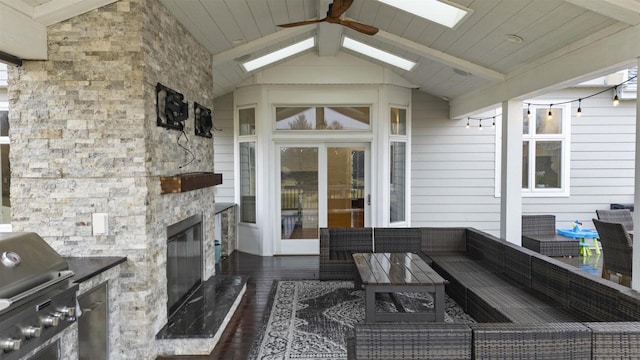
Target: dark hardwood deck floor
x=238 y=336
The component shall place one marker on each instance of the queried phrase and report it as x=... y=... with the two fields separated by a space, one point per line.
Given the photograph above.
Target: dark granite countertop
x=87 y=267
x=220 y=207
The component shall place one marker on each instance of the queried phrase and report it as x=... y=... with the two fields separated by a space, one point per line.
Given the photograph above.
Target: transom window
x=323 y=118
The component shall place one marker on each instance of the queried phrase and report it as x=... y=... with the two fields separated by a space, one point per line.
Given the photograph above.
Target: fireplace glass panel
x=184 y=261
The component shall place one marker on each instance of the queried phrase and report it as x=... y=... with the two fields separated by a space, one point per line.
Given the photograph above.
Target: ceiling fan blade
x=360 y=27
x=339 y=7
x=300 y=23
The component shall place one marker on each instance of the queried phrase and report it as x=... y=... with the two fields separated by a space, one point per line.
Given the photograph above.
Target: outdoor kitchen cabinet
x=93 y=324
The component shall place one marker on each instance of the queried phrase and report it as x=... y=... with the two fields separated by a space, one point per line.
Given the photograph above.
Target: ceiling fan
x=336 y=9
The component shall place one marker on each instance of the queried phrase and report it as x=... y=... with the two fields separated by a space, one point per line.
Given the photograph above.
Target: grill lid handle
x=62 y=275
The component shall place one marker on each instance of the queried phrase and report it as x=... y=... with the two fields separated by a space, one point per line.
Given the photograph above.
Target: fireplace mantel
x=188 y=182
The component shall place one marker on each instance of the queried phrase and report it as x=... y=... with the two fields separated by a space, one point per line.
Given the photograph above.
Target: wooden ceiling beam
x=627 y=11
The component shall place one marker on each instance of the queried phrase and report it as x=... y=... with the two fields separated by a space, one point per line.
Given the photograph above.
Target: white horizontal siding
x=452 y=169
x=223 y=147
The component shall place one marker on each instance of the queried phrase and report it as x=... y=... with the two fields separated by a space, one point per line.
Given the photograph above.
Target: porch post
x=635 y=270
x=511 y=173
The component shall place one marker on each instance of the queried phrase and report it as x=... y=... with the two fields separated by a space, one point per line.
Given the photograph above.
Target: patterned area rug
x=310 y=319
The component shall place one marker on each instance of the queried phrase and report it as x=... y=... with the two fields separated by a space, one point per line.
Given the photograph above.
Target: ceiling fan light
x=439 y=11
x=278 y=55
x=377 y=54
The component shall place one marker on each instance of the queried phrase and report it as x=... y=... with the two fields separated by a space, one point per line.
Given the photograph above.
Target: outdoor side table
x=399 y=272
x=583 y=234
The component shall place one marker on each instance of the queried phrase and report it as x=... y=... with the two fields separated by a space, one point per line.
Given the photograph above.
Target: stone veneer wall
x=84 y=140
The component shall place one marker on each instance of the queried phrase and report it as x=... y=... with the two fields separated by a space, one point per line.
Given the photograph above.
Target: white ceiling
x=564 y=40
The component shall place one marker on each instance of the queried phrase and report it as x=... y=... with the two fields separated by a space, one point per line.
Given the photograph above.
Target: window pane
x=546 y=124
x=4 y=123
x=525 y=165
x=247 y=121
x=322 y=118
x=398 y=121
x=248 y=182
x=397 y=187
x=525 y=121
x=299 y=192
x=548 y=158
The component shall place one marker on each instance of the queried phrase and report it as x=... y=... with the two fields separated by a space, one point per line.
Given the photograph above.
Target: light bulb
x=616 y=100
x=467 y=123
x=549 y=115
x=494 y=123
x=579 y=112
x=529 y=113
x=480 y=126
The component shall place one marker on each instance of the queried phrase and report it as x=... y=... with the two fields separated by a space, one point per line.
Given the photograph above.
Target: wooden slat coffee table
x=398 y=272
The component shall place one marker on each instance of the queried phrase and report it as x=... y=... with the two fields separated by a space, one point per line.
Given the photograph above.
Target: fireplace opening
x=184 y=261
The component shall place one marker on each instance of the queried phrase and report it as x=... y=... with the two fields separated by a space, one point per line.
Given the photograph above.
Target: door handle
x=369 y=199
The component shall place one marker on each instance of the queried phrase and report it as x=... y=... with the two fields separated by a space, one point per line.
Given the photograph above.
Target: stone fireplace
x=85 y=140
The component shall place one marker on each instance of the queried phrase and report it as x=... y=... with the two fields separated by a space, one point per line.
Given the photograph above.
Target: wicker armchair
x=336 y=247
x=617 y=249
x=622 y=216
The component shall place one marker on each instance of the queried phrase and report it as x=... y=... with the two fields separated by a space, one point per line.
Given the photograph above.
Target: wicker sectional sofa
x=528 y=305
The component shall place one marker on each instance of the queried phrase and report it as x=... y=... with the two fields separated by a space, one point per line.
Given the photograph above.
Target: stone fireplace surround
x=85 y=140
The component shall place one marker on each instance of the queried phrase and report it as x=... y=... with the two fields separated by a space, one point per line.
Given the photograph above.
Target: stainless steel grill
x=37 y=299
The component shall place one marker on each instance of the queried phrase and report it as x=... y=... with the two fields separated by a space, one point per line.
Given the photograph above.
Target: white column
x=511 y=173
x=635 y=271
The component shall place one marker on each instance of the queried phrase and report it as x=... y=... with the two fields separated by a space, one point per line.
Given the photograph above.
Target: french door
x=320 y=185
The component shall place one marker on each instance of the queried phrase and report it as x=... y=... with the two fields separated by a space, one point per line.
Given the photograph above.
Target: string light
x=616 y=102
x=579 y=112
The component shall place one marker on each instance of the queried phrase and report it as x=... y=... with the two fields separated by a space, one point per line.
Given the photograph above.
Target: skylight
x=279 y=54
x=441 y=12
x=378 y=54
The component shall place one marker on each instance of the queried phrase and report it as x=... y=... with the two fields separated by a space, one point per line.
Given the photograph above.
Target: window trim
x=565 y=138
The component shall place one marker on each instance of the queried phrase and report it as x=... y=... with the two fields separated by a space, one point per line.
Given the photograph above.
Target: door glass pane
x=299 y=192
x=247 y=119
x=398 y=121
x=525 y=165
x=548 y=163
x=345 y=187
x=248 y=182
x=322 y=118
x=397 y=181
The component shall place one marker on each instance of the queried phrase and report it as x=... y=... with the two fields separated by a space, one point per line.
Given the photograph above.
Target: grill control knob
x=67 y=311
x=31 y=332
x=10 y=344
x=49 y=321
x=59 y=315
